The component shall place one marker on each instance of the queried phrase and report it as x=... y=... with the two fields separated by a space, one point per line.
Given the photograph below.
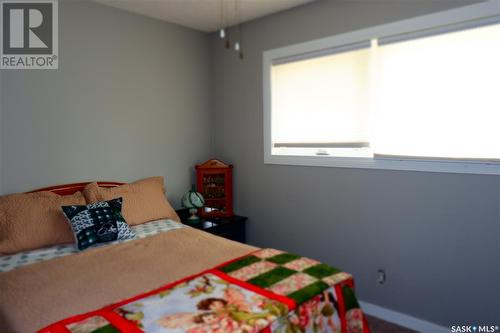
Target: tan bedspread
x=34 y=296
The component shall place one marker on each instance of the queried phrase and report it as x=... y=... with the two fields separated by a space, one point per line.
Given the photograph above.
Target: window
x=425 y=99
x=321 y=104
x=438 y=97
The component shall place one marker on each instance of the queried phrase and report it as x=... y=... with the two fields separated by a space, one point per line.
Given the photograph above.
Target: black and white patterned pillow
x=98 y=223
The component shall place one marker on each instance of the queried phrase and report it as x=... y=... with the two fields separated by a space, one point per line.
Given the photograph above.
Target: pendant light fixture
x=238 y=43
x=224 y=33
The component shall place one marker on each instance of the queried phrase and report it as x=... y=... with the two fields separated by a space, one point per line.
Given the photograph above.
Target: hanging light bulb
x=237 y=46
x=222 y=33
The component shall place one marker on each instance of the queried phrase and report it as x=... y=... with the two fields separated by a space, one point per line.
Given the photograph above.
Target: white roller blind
x=321 y=100
x=439 y=96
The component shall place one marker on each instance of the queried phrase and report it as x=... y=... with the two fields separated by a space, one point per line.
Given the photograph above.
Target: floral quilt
x=266 y=291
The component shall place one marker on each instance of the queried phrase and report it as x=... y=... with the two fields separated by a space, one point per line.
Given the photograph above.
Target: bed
x=59 y=289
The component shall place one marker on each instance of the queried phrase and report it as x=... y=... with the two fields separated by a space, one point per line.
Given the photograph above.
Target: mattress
x=170 y=269
x=10 y=262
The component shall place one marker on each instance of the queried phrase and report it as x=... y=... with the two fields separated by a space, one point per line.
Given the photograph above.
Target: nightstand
x=232 y=228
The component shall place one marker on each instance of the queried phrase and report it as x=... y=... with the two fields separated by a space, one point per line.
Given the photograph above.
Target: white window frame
x=460 y=15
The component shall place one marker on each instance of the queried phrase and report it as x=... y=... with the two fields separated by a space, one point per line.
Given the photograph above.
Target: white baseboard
x=402 y=319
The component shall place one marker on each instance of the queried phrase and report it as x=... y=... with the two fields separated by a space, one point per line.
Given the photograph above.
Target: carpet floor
x=381 y=326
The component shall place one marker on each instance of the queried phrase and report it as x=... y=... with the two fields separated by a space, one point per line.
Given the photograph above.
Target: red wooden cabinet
x=214 y=181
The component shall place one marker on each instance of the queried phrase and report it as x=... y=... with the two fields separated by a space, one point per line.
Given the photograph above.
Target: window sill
x=386 y=164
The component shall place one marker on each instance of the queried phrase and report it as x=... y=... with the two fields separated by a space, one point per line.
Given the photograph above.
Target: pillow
x=98 y=223
x=143 y=200
x=32 y=220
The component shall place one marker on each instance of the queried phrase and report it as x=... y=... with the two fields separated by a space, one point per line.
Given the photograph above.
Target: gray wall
x=131 y=99
x=436 y=235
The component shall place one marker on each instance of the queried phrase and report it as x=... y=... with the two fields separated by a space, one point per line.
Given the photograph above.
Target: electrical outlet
x=381 y=276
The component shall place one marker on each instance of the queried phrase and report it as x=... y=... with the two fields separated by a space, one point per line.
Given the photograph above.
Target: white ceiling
x=204 y=15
